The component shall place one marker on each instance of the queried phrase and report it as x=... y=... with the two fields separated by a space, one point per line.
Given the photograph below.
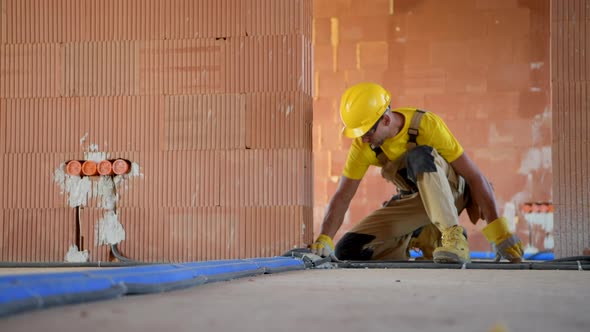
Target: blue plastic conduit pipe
x=540 y=256
x=24 y=292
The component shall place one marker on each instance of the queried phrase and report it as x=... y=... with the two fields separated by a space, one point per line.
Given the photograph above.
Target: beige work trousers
x=440 y=199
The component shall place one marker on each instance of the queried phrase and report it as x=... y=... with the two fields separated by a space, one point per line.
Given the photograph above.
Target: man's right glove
x=323 y=246
x=508 y=244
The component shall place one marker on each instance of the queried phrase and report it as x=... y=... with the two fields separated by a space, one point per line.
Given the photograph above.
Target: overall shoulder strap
x=413 y=130
x=380 y=155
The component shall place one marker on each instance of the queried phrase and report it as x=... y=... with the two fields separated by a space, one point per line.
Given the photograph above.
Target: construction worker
x=435 y=178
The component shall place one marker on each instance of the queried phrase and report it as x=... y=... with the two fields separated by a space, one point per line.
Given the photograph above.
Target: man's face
x=375 y=135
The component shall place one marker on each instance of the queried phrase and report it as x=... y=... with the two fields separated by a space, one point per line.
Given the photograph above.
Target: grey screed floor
x=342 y=300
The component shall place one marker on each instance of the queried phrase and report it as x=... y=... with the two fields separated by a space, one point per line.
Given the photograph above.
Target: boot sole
x=449 y=258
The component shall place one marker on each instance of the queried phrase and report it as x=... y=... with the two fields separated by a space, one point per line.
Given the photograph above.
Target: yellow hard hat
x=361 y=106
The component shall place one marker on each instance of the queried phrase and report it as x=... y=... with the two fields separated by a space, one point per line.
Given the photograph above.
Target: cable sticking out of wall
x=95 y=176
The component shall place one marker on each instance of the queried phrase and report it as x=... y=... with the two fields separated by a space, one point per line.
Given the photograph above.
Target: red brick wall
x=211 y=98
x=483 y=65
x=570 y=75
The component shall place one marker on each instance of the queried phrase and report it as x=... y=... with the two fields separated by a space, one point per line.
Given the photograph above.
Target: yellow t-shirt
x=432 y=131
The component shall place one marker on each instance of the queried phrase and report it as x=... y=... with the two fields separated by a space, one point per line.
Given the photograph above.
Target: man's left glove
x=507 y=244
x=323 y=246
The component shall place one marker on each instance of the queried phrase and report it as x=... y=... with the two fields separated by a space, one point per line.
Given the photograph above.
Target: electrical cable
x=580 y=263
x=119 y=256
x=114 y=248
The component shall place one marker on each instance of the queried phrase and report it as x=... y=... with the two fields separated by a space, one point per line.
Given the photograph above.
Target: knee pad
x=350 y=247
x=419 y=160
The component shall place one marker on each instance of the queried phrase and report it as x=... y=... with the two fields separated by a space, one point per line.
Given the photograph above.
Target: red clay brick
x=323 y=57
x=533 y=48
x=475 y=105
x=373 y=55
x=331 y=8
x=533 y=103
x=318 y=214
x=508 y=23
x=323 y=31
x=509 y=77
x=461 y=7
x=423 y=79
x=269 y=63
x=449 y=106
x=27 y=73
x=393 y=81
x=332 y=84
x=473 y=133
x=321 y=164
x=398 y=26
x=516 y=132
x=409 y=100
x=363 y=29
x=277 y=121
x=331 y=137
x=466 y=26
x=338 y=160
x=508 y=160
x=370 y=7
x=373 y=75
x=466 y=78
x=446 y=25
x=411 y=52
x=264 y=177
x=540 y=80
x=405 y=7
x=3 y=33
x=433 y=6
x=495 y=4
x=260 y=18
x=447 y=53
x=325 y=110
x=347 y=56
x=492 y=50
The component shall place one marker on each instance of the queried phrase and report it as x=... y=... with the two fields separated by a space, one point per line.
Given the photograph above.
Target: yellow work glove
x=323 y=246
x=508 y=244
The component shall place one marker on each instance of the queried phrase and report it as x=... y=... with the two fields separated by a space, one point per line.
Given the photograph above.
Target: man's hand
x=508 y=244
x=323 y=246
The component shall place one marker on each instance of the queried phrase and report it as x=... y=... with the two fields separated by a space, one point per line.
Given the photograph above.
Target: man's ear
x=387 y=119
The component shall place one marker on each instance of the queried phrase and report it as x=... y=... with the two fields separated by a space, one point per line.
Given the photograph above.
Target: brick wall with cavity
x=211 y=98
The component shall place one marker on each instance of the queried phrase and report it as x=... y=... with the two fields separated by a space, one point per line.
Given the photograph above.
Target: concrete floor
x=342 y=300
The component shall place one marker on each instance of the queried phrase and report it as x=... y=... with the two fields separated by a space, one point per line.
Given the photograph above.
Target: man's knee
x=420 y=160
x=350 y=247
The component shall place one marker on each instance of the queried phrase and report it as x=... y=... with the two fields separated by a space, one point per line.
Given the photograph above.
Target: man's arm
x=496 y=231
x=339 y=205
x=480 y=188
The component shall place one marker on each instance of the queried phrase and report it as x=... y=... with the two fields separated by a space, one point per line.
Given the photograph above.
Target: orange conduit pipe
x=92 y=168
x=89 y=168
x=74 y=167
x=121 y=166
x=105 y=167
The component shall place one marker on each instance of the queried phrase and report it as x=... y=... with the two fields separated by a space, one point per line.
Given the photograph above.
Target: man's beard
x=377 y=144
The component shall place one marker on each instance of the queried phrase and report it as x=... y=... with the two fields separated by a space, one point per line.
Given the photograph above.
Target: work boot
x=454 y=247
x=427 y=239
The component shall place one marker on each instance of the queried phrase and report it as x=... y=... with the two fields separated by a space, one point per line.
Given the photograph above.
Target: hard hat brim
x=360 y=131
x=356 y=132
